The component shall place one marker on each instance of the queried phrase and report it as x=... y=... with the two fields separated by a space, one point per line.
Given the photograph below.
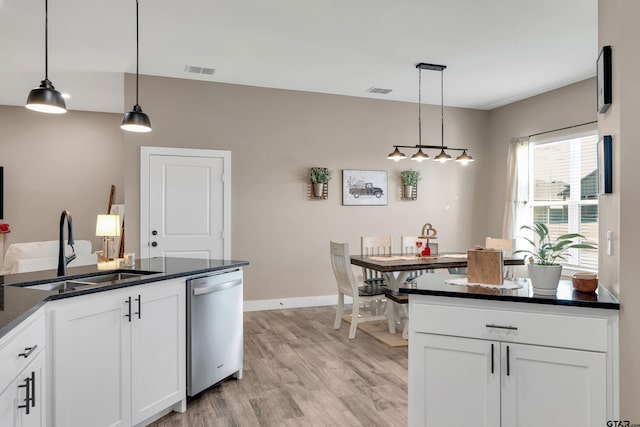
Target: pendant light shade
x=442 y=157
x=45 y=98
x=135 y=120
x=464 y=158
x=420 y=156
x=396 y=155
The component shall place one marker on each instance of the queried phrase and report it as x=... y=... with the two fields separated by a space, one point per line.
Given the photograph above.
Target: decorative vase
x=318 y=190
x=545 y=278
x=408 y=191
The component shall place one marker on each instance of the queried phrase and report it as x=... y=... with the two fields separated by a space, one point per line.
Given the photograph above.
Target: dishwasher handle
x=216 y=287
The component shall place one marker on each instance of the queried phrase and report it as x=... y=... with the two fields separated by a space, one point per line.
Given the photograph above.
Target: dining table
x=395 y=269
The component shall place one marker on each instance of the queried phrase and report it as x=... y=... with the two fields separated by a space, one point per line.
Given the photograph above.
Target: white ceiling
x=496 y=51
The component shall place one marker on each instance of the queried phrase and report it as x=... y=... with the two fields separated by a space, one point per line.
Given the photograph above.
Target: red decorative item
x=4 y=228
x=426 y=251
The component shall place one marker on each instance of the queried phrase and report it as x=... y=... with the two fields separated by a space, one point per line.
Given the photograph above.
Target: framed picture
x=604 y=79
x=364 y=187
x=605 y=183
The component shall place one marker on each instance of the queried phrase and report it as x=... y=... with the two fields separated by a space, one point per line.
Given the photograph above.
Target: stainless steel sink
x=64 y=286
x=90 y=282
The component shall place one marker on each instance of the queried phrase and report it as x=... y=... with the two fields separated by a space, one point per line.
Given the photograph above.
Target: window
x=563 y=184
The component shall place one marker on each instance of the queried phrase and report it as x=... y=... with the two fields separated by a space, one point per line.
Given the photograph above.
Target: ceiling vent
x=199 y=70
x=378 y=90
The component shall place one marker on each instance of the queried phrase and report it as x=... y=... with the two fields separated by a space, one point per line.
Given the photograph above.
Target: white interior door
x=185 y=203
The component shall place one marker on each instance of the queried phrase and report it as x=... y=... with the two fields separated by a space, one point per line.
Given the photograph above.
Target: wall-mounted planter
x=319 y=185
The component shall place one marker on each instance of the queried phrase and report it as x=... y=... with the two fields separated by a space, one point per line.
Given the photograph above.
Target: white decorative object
x=544 y=278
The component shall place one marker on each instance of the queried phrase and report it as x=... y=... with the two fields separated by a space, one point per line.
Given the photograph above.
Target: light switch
x=609 y=238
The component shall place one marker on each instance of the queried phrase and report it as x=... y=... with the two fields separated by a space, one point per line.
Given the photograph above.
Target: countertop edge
x=530 y=300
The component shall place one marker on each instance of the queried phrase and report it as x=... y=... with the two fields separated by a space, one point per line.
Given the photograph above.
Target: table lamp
x=107 y=227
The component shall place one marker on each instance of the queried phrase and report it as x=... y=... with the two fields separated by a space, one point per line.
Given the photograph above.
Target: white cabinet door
x=454 y=381
x=158 y=349
x=9 y=405
x=32 y=378
x=550 y=387
x=91 y=363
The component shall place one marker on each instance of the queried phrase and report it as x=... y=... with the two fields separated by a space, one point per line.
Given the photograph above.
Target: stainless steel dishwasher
x=214 y=329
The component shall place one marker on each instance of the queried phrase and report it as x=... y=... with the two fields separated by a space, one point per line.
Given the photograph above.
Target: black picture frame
x=603 y=70
x=605 y=151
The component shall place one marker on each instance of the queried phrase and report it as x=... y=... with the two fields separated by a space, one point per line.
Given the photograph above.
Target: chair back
x=504 y=245
x=408 y=245
x=374 y=246
x=341 y=265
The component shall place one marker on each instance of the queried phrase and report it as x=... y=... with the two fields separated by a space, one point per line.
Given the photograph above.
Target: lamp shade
x=136 y=121
x=46 y=99
x=396 y=155
x=464 y=158
x=108 y=225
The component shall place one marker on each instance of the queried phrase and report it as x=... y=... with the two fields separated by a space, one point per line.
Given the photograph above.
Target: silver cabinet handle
x=27 y=351
x=511 y=328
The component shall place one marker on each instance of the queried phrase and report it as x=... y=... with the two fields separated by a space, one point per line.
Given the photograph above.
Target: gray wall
x=57 y=162
x=275 y=136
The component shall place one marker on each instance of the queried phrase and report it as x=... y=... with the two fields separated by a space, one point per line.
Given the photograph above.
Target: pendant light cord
x=442 y=108
x=46 y=40
x=137 y=53
x=419 y=106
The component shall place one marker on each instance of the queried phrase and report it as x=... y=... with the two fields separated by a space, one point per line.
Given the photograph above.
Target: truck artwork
x=365 y=190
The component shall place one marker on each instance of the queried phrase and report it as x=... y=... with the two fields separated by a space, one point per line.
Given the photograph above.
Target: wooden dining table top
x=394 y=263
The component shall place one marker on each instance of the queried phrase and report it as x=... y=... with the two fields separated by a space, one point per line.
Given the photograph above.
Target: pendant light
x=442 y=157
x=396 y=155
x=135 y=120
x=45 y=98
x=420 y=155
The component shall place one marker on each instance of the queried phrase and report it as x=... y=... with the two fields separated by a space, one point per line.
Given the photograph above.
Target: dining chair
x=506 y=246
x=364 y=305
x=374 y=246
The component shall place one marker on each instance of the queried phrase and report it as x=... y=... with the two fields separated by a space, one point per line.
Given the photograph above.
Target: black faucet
x=63 y=260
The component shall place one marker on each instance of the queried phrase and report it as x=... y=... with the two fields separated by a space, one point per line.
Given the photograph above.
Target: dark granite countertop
x=434 y=284
x=17 y=301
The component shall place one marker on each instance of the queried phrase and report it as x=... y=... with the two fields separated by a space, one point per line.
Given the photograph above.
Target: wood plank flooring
x=299 y=371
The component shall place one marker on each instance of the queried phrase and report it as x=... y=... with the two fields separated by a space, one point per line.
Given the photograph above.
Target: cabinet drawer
x=557 y=330
x=25 y=337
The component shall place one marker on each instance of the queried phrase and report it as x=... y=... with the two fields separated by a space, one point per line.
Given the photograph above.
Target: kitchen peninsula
x=497 y=357
x=97 y=347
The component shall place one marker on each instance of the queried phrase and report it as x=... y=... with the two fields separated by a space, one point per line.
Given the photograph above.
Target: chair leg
x=355 y=311
x=392 y=318
x=339 y=311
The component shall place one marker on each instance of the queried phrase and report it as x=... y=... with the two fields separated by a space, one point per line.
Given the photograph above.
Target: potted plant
x=544 y=270
x=410 y=179
x=319 y=178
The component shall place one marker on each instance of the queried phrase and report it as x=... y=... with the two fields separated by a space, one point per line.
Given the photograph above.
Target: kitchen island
x=497 y=357
x=97 y=347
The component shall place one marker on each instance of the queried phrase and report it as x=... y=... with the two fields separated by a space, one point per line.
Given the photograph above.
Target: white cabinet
x=22 y=396
x=118 y=356
x=493 y=363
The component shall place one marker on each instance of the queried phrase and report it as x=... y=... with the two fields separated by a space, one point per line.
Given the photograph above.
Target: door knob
x=154 y=232
x=154 y=244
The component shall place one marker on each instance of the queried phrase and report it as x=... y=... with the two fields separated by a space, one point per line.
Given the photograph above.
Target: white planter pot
x=318 y=190
x=408 y=191
x=544 y=278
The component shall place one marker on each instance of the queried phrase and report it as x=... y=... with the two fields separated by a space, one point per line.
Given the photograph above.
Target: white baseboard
x=276 y=304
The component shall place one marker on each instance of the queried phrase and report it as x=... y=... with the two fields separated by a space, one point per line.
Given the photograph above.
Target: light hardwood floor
x=299 y=371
